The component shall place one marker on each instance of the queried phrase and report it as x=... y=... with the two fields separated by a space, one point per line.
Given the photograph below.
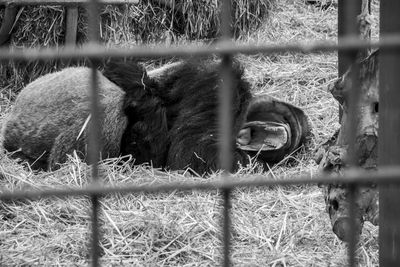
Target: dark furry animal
x=146 y=134
x=173 y=119
x=170 y=120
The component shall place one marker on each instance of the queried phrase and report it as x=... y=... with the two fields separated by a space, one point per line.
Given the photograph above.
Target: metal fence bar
x=353 y=111
x=63 y=2
x=225 y=124
x=348 y=26
x=226 y=227
x=94 y=151
x=386 y=175
x=389 y=138
x=353 y=240
x=389 y=42
x=95 y=133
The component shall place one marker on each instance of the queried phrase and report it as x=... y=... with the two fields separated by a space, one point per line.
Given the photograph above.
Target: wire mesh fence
x=348 y=45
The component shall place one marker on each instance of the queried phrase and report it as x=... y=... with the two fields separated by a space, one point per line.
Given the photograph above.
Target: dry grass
x=147 y=22
x=279 y=226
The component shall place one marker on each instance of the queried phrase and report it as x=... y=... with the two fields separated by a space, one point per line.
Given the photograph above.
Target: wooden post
x=71 y=25
x=10 y=13
x=389 y=137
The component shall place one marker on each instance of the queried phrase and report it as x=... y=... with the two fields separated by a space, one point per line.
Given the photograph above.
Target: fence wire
x=95 y=51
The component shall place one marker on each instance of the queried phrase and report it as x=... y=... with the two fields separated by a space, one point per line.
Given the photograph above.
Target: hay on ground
x=276 y=226
x=151 y=21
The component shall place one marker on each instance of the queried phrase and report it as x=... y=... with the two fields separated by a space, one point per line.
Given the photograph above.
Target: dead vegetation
x=279 y=226
x=151 y=21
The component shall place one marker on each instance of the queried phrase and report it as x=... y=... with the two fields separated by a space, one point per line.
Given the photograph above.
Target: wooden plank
x=72 y=25
x=64 y=2
x=6 y=25
x=389 y=137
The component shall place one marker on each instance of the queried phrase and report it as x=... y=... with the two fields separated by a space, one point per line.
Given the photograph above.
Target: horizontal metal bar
x=98 y=51
x=388 y=175
x=64 y=2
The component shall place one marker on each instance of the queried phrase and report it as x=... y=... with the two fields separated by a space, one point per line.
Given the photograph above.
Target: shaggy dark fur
x=170 y=121
x=145 y=137
x=173 y=121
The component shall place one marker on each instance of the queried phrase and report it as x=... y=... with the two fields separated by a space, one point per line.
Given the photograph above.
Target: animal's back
x=55 y=108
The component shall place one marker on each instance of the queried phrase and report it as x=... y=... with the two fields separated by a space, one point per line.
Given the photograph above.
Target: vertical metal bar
x=354 y=227
x=94 y=138
x=225 y=122
x=389 y=138
x=348 y=26
x=225 y=118
x=95 y=238
x=226 y=150
x=226 y=193
x=353 y=111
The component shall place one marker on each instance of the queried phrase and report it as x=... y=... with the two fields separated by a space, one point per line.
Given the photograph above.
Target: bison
x=167 y=116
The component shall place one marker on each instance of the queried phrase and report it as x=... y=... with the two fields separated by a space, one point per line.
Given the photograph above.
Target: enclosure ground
x=278 y=226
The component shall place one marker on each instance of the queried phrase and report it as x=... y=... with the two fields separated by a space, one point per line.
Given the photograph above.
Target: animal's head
x=273 y=129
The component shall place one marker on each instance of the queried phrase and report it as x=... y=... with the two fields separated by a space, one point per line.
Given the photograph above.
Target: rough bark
x=332 y=156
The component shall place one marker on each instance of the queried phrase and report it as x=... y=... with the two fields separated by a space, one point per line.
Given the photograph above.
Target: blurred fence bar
x=348 y=10
x=384 y=176
x=389 y=42
x=94 y=156
x=353 y=225
x=63 y=2
x=95 y=133
x=389 y=137
x=348 y=26
x=225 y=124
x=352 y=159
